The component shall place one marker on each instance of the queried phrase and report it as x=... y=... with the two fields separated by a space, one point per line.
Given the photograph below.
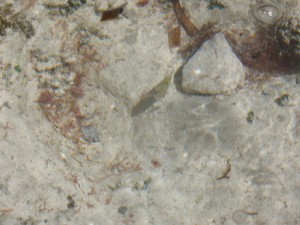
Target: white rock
x=213 y=69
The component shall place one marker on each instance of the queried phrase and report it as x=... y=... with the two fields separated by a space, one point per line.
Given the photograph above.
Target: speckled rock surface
x=72 y=153
x=213 y=69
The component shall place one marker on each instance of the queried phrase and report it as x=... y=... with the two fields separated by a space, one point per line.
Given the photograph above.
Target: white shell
x=267 y=13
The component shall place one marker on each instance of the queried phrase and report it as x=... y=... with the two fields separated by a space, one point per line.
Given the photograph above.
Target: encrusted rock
x=213 y=69
x=288 y=33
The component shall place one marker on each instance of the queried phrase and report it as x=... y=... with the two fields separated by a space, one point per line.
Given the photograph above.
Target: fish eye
x=267 y=13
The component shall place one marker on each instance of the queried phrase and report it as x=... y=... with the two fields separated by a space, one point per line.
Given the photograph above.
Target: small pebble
x=90 y=134
x=122 y=210
x=213 y=69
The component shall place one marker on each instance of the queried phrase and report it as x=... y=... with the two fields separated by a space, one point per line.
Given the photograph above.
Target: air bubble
x=281 y=118
x=239 y=217
x=267 y=13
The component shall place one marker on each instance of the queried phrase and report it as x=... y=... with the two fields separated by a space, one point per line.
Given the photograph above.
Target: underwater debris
x=18 y=68
x=187 y=25
x=155 y=163
x=142 y=3
x=71 y=204
x=113 y=13
x=250 y=117
x=143 y=185
x=227 y=171
x=282 y=100
x=174 y=37
x=121 y=165
x=122 y=210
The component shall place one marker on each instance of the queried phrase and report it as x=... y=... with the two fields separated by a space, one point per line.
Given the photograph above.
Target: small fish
x=154 y=95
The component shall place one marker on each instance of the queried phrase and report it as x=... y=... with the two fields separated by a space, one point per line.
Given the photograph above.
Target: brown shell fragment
x=174 y=37
x=112 y=13
x=142 y=3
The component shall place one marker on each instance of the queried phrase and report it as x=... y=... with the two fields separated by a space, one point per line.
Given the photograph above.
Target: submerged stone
x=213 y=69
x=90 y=134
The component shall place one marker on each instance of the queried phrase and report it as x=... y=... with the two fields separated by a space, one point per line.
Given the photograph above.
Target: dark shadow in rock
x=178 y=83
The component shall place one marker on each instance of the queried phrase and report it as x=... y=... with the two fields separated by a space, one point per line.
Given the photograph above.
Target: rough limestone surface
x=213 y=69
x=181 y=160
